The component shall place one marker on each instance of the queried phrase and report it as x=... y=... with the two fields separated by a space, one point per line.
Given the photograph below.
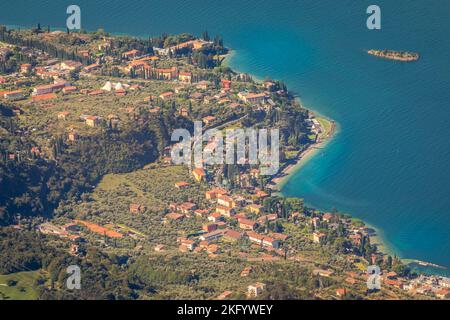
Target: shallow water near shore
x=388 y=163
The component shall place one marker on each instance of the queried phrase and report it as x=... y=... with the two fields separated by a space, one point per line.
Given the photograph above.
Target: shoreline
x=282 y=177
x=277 y=182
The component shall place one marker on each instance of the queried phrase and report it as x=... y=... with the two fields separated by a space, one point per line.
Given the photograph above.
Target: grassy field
x=23 y=289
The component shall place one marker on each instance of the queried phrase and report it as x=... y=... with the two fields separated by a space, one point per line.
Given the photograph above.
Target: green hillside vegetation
x=20 y=285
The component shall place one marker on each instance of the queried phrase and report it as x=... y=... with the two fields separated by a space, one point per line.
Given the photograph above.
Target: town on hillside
x=88 y=178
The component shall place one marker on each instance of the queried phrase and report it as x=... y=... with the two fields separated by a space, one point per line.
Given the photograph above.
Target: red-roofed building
x=246 y=271
x=261 y=194
x=71 y=65
x=232 y=235
x=271 y=242
x=91 y=67
x=263 y=240
x=254 y=98
x=247 y=224
x=13 y=95
x=131 y=54
x=96 y=92
x=203 y=244
x=190 y=244
x=166 y=95
x=443 y=294
x=319 y=237
x=49 y=88
x=241 y=215
x=182 y=184
x=183 y=248
x=256 y=289
x=92 y=121
x=279 y=236
x=186 y=207
x=44 y=97
x=215 y=217
x=174 y=216
x=211 y=236
x=72 y=136
x=356 y=238
x=341 y=292
x=269 y=217
x=203 y=85
x=25 y=68
x=255 y=208
x=201 y=212
x=185 y=77
x=69 y=89
x=254 y=173
x=327 y=217
x=225 y=211
x=120 y=92
x=208 y=119
x=184 y=112
x=351 y=280
x=226 y=84
x=63 y=115
x=209 y=227
x=199 y=174
x=160 y=74
x=214 y=193
x=224 y=295
x=226 y=201
x=212 y=249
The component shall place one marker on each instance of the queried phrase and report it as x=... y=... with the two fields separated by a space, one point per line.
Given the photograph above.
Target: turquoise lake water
x=389 y=162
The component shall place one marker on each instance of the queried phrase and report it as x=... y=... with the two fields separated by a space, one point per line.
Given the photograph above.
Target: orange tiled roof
x=43 y=97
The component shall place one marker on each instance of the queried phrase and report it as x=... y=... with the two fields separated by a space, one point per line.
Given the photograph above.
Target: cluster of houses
x=73 y=230
x=328 y=221
x=205 y=92
x=133 y=61
x=201 y=90
x=56 y=73
x=57 y=70
x=227 y=216
x=434 y=285
x=431 y=285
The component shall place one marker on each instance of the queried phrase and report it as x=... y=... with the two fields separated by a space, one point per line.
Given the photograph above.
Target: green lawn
x=24 y=289
x=326 y=126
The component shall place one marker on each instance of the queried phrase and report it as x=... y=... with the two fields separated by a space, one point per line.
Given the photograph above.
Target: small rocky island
x=395 y=55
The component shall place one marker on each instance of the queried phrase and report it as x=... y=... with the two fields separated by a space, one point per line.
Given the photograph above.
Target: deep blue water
x=389 y=162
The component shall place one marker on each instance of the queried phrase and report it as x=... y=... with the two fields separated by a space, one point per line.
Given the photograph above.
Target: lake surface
x=389 y=162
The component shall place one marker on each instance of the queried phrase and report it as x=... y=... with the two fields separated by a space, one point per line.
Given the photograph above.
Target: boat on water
x=404 y=56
